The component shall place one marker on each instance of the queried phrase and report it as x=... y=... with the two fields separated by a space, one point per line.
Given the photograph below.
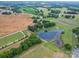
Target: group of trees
x=35 y=17
x=47 y=24
x=74 y=9
x=76 y=31
x=54 y=13
x=31 y=41
x=69 y=16
x=40 y=25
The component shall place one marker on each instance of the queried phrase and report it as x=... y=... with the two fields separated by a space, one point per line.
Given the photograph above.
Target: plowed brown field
x=12 y=23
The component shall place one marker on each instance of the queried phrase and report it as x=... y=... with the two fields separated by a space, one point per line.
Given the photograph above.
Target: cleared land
x=12 y=23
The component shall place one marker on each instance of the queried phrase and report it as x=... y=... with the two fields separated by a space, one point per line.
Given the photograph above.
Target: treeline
x=74 y=9
x=76 y=31
x=31 y=41
x=69 y=16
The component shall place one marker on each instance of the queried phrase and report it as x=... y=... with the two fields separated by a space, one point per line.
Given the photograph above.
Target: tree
x=35 y=21
x=76 y=31
x=24 y=46
x=28 y=42
x=13 y=51
x=68 y=47
x=19 y=50
x=32 y=28
x=73 y=16
x=47 y=24
x=45 y=30
x=67 y=16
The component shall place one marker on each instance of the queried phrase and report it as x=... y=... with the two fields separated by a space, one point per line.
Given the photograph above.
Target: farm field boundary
x=11 y=38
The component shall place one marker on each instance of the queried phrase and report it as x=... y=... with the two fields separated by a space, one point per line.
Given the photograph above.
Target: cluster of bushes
x=55 y=11
x=47 y=24
x=35 y=17
x=40 y=25
x=53 y=15
x=69 y=16
x=76 y=31
x=31 y=41
x=40 y=13
x=68 y=47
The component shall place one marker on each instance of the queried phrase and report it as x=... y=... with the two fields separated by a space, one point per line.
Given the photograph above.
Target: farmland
x=13 y=23
x=10 y=38
x=39 y=31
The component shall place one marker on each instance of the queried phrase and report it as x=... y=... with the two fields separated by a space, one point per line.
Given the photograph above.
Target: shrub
x=68 y=47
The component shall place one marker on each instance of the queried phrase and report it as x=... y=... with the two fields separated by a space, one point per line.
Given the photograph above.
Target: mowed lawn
x=11 y=38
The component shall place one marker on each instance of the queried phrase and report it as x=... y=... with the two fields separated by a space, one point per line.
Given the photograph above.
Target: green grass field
x=51 y=46
x=27 y=10
x=67 y=36
x=11 y=38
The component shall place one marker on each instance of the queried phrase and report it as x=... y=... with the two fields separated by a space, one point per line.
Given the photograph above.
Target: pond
x=53 y=35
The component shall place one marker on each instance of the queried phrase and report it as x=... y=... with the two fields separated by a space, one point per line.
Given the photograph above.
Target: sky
x=39 y=0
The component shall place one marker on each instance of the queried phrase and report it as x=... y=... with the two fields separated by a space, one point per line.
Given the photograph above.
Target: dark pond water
x=52 y=35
